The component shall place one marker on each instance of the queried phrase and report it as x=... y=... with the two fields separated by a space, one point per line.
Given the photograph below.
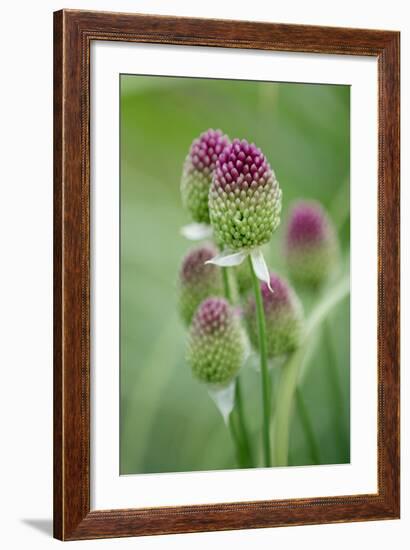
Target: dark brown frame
x=73 y=33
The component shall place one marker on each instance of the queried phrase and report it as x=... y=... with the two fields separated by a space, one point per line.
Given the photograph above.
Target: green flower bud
x=311 y=246
x=217 y=345
x=198 y=171
x=245 y=199
x=283 y=318
x=198 y=281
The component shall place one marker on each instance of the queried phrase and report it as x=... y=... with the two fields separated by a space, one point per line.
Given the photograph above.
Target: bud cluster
x=216 y=348
x=283 y=317
x=198 y=171
x=198 y=280
x=311 y=246
x=245 y=197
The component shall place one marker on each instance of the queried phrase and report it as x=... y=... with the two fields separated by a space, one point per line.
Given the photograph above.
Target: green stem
x=264 y=366
x=291 y=371
x=335 y=386
x=227 y=288
x=242 y=425
x=242 y=439
x=307 y=427
x=236 y=441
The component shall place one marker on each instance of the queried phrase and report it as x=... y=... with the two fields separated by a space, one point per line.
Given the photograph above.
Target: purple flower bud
x=216 y=349
x=245 y=199
x=311 y=246
x=198 y=170
x=283 y=317
x=198 y=280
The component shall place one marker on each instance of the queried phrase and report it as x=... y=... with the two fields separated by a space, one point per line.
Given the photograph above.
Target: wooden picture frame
x=74 y=32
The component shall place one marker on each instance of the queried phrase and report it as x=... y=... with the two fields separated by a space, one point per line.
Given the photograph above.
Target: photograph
x=226 y=314
x=234 y=274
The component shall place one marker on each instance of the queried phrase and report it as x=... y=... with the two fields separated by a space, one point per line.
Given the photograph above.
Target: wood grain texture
x=57 y=302
x=73 y=32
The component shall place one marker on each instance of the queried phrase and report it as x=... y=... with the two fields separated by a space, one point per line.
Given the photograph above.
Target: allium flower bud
x=217 y=344
x=283 y=317
x=198 y=280
x=311 y=246
x=245 y=197
x=198 y=170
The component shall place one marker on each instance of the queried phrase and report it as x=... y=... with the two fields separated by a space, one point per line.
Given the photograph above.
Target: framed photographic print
x=226 y=275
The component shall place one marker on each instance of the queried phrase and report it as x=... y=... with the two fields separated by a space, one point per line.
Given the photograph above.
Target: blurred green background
x=168 y=423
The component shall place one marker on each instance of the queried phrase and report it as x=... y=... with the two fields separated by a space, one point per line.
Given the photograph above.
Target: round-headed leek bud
x=197 y=173
x=198 y=280
x=311 y=246
x=217 y=345
x=283 y=318
x=245 y=199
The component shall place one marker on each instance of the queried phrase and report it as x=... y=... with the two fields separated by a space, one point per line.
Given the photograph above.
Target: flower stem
x=307 y=426
x=236 y=439
x=240 y=435
x=242 y=450
x=242 y=425
x=227 y=288
x=264 y=366
x=291 y=371
x=335 y=387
